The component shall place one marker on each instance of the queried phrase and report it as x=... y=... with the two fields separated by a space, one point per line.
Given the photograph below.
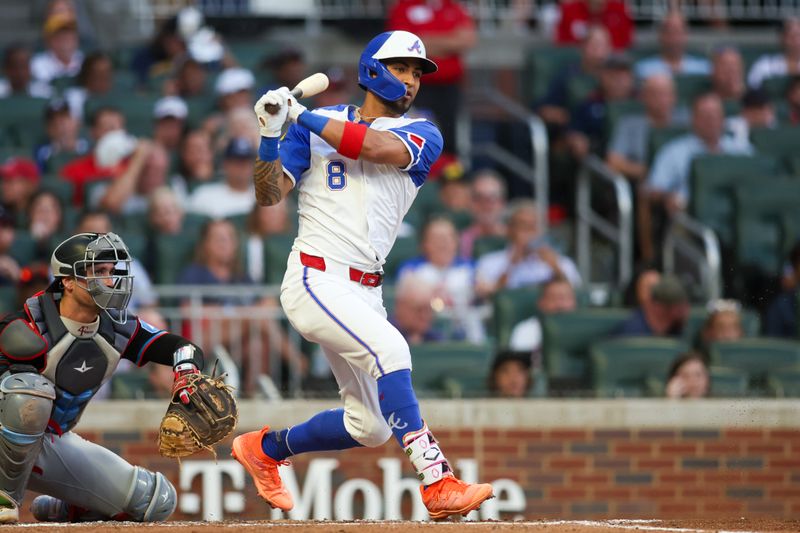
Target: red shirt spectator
x=578 y=15
x=433 y=22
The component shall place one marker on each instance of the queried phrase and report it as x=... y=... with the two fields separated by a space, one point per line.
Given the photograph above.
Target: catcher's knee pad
x=26 y=399
x=152 y=498
x=367 y=428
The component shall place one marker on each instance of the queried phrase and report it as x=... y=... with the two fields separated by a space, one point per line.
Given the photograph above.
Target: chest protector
x=77 y=366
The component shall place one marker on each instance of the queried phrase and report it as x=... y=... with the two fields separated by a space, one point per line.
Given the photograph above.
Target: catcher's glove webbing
x=202 y=413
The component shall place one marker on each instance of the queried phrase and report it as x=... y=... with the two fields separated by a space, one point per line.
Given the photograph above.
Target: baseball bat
x=311 y=86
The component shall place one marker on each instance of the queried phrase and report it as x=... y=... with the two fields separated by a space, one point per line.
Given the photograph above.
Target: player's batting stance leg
x=357 y=170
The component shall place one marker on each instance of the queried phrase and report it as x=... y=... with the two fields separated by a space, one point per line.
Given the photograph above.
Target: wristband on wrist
x=268 y=149
x=352 y=140
x=312 y=122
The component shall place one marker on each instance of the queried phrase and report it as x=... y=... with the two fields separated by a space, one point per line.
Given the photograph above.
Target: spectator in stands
x=578 y=15
x=63 y=136
x=627 y=151
x=20 y=179
x=33 y=278
x=668 y=182
x=86 y=169
x=663 y=315
x=589 y=121
x=189 y=81
x=9 y=268
x=287 y=68
x=787 y=63
x=133 y=180
x=170 y=115
x=529 y=259
x=263 y=223
x=234 y=196
x=413 y=314
x=688 y=377
x=555 y=107
x=672 y=58
x=510 y=376
x=195 y=164
x=237 y=123
x=144 y=296
x=488 y=204
x=95 y=79
x=18 y=79
x=217 y=263
x=61 y=57
x=165 y=214
x=45 y=221
x=782 y=315
x=757 y=112
x=557 y=296
x=723 y=323
x=234 y=88
x=454 y=190
x=452 y=278
x=448 y=31
x=161 y=55
x=640 y=288
x=793 y=101
x=727 y=75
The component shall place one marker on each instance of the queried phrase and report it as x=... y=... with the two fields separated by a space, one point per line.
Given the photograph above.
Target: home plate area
x=743 y=525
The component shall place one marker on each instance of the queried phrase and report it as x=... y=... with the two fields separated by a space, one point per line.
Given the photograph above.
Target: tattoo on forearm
x=268 y=176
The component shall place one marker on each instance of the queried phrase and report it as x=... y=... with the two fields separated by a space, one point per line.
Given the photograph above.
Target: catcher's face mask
x=105 y=272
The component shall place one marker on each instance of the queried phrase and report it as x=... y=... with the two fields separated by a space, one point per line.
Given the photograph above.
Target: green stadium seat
x=454 y=368
x=758 y=357
x=61 y=188
x=131 y=385
x=276 y=253
x=137 y=108
x=173 y=254
x=22 y=119
x=727 y=382
x=617 y=110
x=485 y=245
x=8 y=299
x=776 y=87
x=251 y=54
x=661 y=136
x=751 y=323
x=193 y=222
x=542 y=63
x=784 y=382
x=687 y=87
x=713 y=180
x=566 y=339
x=404 y=248
x=633 y=366
x=136 y=243
x=780 y=142
x=57 y=162
x=23 y=249
x=240 y=221
x=509 y=307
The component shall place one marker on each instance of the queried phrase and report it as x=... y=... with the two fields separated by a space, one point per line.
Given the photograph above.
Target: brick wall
x=570 y=473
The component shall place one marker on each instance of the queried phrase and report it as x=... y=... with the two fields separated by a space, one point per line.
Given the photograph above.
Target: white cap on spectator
x=233 y=80
x=170 y=106
x=113 y=147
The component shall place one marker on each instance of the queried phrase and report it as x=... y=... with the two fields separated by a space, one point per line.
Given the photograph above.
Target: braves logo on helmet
x=415 y=47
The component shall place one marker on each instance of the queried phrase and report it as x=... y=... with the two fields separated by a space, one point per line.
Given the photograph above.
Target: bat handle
x=272 y=109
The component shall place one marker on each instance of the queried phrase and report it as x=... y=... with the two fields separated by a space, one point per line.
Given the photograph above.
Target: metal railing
x=241 y=320
x=619 y=233
x=697 y=245
x=535 y=171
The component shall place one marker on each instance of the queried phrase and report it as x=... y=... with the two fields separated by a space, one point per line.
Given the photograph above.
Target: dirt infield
x=743 y=525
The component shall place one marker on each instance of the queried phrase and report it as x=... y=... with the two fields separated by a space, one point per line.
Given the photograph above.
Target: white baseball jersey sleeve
x=351 y=210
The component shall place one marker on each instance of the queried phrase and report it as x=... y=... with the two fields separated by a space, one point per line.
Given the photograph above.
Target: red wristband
x=352 y=140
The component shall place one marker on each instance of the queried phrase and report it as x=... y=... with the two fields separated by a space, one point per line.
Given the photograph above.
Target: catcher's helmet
x=74 y=256
x=373 y=75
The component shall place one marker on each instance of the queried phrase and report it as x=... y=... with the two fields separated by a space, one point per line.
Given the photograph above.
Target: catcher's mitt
x=202 y=413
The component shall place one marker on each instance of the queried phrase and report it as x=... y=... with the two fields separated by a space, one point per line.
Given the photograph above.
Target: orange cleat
x=262 y=468
x=451 y=496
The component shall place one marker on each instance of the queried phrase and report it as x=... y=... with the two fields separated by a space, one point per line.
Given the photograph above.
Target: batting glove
x=270 y=125
x=295 y=109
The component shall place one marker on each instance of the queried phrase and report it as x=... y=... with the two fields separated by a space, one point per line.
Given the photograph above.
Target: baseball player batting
x=55 y=354
x=357 y=171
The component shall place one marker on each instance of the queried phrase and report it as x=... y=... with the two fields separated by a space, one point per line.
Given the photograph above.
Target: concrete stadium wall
x=548 y=459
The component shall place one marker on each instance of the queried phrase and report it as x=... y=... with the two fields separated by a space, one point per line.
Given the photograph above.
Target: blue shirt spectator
x=672 y=57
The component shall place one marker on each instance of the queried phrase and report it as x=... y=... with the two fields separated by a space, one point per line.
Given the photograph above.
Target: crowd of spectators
x=183 y=169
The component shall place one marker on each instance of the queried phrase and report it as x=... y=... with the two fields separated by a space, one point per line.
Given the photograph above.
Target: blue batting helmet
x=373 y=75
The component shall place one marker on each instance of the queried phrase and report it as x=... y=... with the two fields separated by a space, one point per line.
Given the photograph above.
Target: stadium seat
x=8 y=299
x=404 y=248
x=173 y=254
x=57 y=162
x=137 y=108
x=509 y=307
x=780 y=142
x=776 y=87
x=758 y=357
x=276 y=252
x=22 y=119
x=23 y=249
x=61 y=188
x=131 y=385
x=541 y=66
x=727 y=382
x=617 y=110
x=566 y=341
x=484 y=245
x=633 y=366
x=784 y=382
x=712 y=182
x=136 y=243
x=661 y=136
x=687 y=87
x=455 y=368
x=751 y=323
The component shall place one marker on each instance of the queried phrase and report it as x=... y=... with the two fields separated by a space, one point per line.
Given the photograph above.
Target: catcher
x=54 y=355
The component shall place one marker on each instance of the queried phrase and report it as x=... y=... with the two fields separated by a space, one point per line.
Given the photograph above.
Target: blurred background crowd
x=553 y=250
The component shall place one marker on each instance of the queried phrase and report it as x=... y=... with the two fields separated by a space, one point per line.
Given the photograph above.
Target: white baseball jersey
x=351 y=210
